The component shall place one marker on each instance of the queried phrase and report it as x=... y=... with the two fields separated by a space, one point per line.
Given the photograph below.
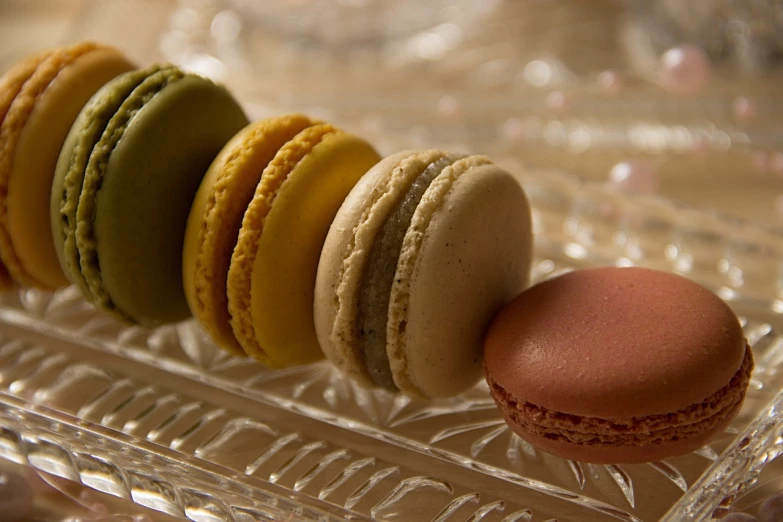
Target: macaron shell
x=600 y=342
x=380 y=269
x=240 y=272
x=150 y=182
x=86 y=132
x=466 y=254
x=11 y=81
x=10 y=84
x=95 y=173
x=216 y=217
x=37 y=153
x=78 y=72
x=636 y=439
x=345 y=252
x=608 y=454
x=285 y=267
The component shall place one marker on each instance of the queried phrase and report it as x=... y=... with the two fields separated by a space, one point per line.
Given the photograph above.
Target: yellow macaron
x=255 y=233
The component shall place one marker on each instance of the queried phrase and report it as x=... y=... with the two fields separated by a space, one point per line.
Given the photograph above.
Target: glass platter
x=166 y=419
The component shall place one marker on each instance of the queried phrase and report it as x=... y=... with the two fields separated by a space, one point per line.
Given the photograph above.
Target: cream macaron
x=427 y=247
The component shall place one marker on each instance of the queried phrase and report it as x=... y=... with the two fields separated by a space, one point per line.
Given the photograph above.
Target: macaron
x=124 y=184
x=39 y=100
x=617 y=365
x=255 y=233
x=425 y=250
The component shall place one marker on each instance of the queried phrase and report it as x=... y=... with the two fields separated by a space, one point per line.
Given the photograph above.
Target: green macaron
x=125 y=180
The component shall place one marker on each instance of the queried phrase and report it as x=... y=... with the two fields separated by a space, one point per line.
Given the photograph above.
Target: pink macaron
x=617 y=365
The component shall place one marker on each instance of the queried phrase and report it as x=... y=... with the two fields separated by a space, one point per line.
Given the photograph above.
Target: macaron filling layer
x=91 y=126
x=686 y=423
x=378 y=277
x=93 y=178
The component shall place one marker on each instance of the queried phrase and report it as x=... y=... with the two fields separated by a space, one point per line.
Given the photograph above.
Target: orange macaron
x=39 y=100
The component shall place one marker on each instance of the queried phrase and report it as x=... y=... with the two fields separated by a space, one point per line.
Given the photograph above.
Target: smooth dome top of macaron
x=615 y=343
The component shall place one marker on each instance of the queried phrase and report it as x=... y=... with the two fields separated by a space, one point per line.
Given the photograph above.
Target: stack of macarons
x=255 y=233
x=288 y=239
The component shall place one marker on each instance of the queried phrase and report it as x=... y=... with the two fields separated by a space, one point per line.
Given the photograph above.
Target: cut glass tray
x=167 y=420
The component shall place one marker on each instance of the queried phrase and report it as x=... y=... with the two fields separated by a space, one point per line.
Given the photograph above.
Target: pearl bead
x=634 y=176
x=448 y=106
x=98 y=510
x=16 y=497
x=86 y=496
x=685 y=69
x=775 y=162
x=701 y=146
x=744 y=108
x=513 y=129
x=739 y=517
x=771 y=510
x=610 y=81
x=761 y=160
x=556 y=100
x=779 y=206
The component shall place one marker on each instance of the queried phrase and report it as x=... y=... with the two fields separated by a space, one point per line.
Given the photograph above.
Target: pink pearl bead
x=448 y=106
x=744 y=108
x=634 y=176
x=771 y=510
x=98 y=511
x=16 y=498
x=86 y=496
x=701 y=146
x=610 y=81
x=685 y=69
x=556 y=100
x=776 y=162
x=761 y=160
x=779 y=206
x=739 y=517
x=513 y=129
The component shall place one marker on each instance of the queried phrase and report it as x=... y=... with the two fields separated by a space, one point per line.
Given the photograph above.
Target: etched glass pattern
x=166 y=419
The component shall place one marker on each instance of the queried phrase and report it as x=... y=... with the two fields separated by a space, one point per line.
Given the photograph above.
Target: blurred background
x=671 y=99
x=681 y=99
